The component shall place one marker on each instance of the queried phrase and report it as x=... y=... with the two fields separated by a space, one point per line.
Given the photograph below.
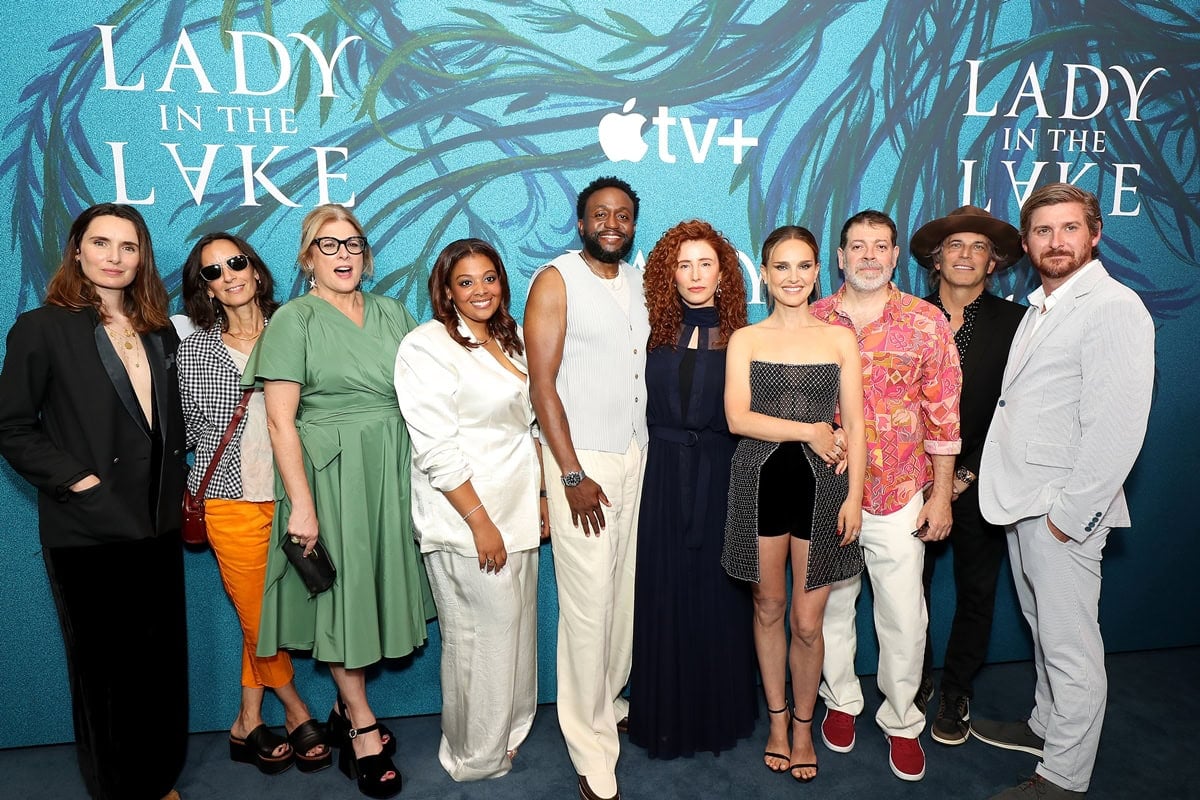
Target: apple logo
x=621 y=134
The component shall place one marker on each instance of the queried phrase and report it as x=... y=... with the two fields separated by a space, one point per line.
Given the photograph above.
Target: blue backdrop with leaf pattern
x=437 y=121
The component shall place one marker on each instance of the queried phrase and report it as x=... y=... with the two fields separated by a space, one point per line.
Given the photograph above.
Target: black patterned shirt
x=962 y=336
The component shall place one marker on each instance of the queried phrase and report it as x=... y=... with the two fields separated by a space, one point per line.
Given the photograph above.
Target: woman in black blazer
x=90 y=415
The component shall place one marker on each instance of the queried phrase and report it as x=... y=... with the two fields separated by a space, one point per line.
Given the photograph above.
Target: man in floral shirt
x=911 y=384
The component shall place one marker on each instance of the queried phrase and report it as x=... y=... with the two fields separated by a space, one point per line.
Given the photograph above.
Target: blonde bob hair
x=312 y=224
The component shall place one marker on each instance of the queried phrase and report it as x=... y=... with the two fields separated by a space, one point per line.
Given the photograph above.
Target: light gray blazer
x=1072 y=411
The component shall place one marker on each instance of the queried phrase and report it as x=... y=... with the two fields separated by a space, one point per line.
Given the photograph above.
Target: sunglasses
x=235 y=263
x=330 y=245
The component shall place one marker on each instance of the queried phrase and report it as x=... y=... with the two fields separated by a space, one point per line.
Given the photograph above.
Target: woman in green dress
x=342 y=460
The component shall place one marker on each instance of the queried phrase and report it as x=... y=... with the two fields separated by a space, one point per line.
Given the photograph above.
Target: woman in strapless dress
x=795 y=490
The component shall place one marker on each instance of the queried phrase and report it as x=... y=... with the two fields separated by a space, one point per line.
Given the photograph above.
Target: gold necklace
x=127 y=344
x=599 y=273
x=245 y=338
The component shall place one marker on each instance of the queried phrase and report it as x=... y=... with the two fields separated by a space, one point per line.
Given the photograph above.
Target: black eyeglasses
x=330 y=245
x=235 y=263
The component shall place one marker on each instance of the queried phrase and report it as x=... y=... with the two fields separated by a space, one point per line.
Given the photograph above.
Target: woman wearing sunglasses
x=228 y=294
x=342 y=457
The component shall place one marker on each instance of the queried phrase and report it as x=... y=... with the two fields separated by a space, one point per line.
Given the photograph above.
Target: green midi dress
x=356 y=458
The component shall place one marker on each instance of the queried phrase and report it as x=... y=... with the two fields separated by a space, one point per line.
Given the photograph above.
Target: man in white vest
x=1068 y=426
x=586 y=328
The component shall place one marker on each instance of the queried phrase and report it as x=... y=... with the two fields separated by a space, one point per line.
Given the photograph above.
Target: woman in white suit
x=463 y=386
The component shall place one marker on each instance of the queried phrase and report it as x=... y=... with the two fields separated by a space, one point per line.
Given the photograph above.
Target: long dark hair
x=196 y=302
x=501 y=327
x=145 y=297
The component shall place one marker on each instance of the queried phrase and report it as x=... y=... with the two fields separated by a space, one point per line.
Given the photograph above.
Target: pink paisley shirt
x=911 y=386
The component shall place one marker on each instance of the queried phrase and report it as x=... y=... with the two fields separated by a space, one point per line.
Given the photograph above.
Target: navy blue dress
x=693 y=684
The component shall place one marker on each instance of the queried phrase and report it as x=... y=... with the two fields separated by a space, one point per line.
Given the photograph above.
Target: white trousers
x=1058 y=586
x=489 y=660
x=595 y=610
x=895 y=561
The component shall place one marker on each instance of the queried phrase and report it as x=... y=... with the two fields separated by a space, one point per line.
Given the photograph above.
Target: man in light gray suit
x=1067 y=428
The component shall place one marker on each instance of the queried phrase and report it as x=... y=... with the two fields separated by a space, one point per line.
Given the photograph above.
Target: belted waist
x=688 y=437
x=346 y=416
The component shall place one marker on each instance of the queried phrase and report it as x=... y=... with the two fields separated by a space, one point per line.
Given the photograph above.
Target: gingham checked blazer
x=210 y=388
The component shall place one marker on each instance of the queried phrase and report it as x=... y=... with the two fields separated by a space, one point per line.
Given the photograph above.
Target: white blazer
x=1072 y=410
x=469 y=418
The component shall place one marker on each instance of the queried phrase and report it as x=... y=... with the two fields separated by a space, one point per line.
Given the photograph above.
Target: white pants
x=489 y=660
x=1058 y=586
x=595 y=610
x=894 y=560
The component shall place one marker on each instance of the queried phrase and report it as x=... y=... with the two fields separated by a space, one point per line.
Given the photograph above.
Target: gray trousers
x=1058 y=586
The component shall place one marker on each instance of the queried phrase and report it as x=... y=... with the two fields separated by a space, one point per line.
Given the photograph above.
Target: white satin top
x=469 y=418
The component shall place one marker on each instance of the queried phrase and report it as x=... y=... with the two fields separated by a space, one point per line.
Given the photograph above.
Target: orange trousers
x=239 y=532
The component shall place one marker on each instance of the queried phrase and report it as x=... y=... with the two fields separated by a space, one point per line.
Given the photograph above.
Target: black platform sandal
x=339 y=723
x=780 y=756
x=368 y=771
x=258 y=748
x=306 y=737
x=792 y=769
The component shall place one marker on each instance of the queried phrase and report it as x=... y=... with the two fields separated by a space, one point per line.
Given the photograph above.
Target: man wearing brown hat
x=961 y=251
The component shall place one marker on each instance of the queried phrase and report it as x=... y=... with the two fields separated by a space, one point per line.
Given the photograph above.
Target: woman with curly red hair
x=692 y=687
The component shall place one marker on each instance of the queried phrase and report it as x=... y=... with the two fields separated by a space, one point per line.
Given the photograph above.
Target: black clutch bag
x=316 y=569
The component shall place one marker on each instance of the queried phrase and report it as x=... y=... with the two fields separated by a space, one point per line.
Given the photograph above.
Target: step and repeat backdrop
x=436 y=121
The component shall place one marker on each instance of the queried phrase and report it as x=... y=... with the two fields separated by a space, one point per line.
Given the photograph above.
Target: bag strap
x=238 y=413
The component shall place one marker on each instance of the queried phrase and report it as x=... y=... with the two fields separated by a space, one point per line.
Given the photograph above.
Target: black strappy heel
x=780 y=756
x=792 y=769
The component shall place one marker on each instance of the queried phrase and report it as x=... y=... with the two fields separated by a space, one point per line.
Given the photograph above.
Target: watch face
x=572 y=479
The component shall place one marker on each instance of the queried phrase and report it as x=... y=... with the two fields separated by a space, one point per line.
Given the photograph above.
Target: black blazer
x=995 y=326
x=67 y=409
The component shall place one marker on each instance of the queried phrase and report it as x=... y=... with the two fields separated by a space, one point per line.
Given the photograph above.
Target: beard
x=592 y=246
x=863 y=284
x=1062 y=267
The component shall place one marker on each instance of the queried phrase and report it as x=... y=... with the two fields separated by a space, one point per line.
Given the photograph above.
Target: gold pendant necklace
x=127 y=343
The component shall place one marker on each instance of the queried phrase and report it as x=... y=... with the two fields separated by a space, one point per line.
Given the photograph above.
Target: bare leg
x=805 y=656
x=352 y=688
x=250 y=717
x=770 y=640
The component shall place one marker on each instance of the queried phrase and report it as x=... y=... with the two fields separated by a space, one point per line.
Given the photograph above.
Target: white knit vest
x=602 y=377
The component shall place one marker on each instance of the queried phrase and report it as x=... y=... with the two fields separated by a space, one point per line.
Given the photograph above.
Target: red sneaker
x=906 y=758
x=837 y=731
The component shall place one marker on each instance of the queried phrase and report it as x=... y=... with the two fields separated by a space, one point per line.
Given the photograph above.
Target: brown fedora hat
x=968 y=219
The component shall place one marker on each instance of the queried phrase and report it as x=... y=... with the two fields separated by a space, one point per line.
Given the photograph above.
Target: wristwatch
x=575 y=478
x=965 y=475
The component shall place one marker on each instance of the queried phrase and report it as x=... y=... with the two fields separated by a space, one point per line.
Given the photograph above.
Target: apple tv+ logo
x=621 y=136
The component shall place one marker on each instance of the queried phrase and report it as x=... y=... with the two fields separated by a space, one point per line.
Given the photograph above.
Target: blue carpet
x=1146 y=752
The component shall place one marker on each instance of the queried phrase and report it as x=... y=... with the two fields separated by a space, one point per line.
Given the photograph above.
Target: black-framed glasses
x=235 y=263
x=330 y=245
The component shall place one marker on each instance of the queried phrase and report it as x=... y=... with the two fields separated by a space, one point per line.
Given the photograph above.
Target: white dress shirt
x=469 y=419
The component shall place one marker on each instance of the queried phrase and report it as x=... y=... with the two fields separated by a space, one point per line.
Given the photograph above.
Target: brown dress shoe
x=586 y=793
